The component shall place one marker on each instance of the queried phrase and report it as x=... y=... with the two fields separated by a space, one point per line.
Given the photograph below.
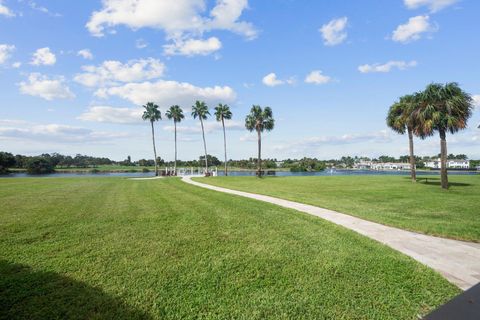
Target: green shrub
x=39 y=165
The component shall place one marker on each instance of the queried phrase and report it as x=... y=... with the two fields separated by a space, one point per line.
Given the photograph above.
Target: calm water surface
x=243 y=173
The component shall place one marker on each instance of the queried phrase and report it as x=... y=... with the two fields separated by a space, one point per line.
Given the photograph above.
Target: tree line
x=439 y=109
x=47 y=163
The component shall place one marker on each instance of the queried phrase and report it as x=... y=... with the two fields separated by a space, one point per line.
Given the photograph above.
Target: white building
x=369 y=165
x=391 y=166
x=451 y=164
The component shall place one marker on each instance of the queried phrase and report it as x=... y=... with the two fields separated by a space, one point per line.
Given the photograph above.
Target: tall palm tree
x=443 y=108
x=400 y=119
x=222 y=113
x=200 y=111
x=176 y=113
x=259 y=120
x=152 y=114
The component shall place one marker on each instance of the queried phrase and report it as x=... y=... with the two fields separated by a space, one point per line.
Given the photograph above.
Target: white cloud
x=386 y=67
x=307 y=145
x=55 y=133
x=333 y=32
x=476 y=100
x=271 y=80
x=43 y=56
x=141 y=44
x=16 y=65
x=181 y=20
x=112 y=115
x=166 y=93
x=433 y=5
x=5 y=11
x=192 y=47
x=112 y=72
x=413 y=29
x=209 y=126
x=317 y=77
x=248 y=137
x=39 y=85
x=85 y=54
x=6 y=52
x=42 y=9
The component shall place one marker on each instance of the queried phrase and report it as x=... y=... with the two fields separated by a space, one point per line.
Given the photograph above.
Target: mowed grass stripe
x=163 y=249
x=390 y=200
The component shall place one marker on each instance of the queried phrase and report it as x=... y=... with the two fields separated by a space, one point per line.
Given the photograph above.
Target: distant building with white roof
x=451 y=164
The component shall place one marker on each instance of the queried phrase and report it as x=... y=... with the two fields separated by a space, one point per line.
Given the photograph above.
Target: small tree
x=7 y=160
x=442 y=109
x=152 y=114
x=39 y=165
x=259 y=120
x=200 y=111
x=222 y=113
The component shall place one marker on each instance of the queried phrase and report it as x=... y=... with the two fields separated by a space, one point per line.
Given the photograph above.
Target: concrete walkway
x=457 y=261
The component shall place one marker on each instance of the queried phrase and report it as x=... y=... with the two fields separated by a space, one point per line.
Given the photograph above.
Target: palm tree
x=152 y=114
x=222 y=113
x=200 y=111
x=259 y=120
x=443 y=108
x=176 y=113
x=400 y=119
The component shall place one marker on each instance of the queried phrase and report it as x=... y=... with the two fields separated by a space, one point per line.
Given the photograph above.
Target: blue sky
x=74 y=74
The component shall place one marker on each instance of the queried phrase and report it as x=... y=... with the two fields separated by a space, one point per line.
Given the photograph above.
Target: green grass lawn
x=111 y=248
x=391 y=200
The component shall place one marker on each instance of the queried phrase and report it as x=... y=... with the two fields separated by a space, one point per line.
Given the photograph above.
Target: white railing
x=188 y=171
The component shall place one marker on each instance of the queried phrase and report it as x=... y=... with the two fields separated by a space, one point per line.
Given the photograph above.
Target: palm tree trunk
x=175 y=163
x=204 y=147
x=413 y=174
x=443 y=159
x=154 y=149
x=224 y=145
x=259 y=160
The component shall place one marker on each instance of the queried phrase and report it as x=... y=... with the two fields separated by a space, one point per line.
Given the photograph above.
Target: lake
x=241 y=173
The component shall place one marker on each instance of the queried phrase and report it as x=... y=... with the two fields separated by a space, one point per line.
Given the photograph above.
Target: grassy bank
x=391 y=200
x=162 y=249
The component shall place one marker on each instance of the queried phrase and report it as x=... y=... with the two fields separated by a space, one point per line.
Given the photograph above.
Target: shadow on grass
x=434 y=181
x=29 y=294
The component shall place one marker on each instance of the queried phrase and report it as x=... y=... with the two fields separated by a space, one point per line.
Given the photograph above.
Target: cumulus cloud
x=112 y=115
x=113 y=72
x=333 y=32
x=16 y=65
x=55 y=133
x=413 y=29
x=85 y=54
x=432 y=5
x=6 y=52
x=43 y=56
x=166 y=93
x=191 y=47
x=39 y=85
x=316 y=77
x=5 y=11
x=271 y=80
x=386 y=67
x=181 y=20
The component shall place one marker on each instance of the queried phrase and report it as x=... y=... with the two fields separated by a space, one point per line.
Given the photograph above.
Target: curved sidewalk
x=457 y=261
